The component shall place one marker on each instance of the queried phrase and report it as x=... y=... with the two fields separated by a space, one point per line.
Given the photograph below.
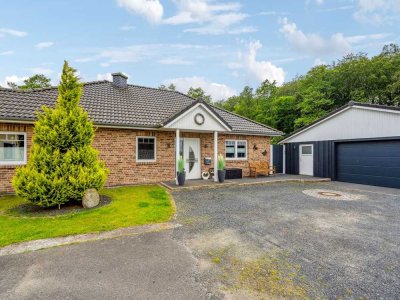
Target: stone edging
x=222 y=185
x=80 y=238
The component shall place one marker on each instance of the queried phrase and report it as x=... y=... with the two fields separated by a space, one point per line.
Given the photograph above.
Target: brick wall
x=207 y=149
x=117 y=148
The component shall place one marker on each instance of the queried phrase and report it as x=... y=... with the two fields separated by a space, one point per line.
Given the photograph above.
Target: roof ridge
x=373 y=105
x=163 y=90
x=46 y=88
x=250 y=120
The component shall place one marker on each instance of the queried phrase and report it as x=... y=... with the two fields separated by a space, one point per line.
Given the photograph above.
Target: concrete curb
x=80 y=238
x=231 y=184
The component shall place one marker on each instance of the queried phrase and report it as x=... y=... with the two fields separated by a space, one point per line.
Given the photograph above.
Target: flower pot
x=221 y=175
x=181 y=178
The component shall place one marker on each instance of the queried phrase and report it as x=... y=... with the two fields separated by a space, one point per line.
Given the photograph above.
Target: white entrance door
x=306 y=160
x=191 y=155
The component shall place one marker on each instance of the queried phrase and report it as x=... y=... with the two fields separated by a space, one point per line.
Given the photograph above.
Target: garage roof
x=351 y=125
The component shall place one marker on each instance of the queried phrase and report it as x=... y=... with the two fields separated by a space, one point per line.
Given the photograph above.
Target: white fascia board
x=172 y=122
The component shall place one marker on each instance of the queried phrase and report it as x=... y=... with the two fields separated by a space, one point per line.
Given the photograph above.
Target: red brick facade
x=117 y=148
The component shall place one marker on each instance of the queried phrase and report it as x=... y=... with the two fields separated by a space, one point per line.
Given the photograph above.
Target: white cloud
x=157 y=52
x=105 y=76
x=318 y=2
x=361 y=38
x=319 y=62
x=313 y=43
x=40 y=70
x=258 y=69
x=152 y=10
x=108 y=76
x=337 y=8
x=377 y=11
x=123 y=54
x=127 y=28
x=43 y=45
x=213 y=18
x=217 y=91
x=12 y=32
x=175 y=61
x=272 y=13
x=10 y=52
x=13 y=78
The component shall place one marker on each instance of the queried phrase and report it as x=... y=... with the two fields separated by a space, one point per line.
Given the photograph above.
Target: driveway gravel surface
x=342 y=247
x=346 y=248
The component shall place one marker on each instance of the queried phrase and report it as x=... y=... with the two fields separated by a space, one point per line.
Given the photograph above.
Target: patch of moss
x=270 y=275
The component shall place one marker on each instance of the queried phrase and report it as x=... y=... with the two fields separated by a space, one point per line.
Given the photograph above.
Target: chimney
x=120 y=80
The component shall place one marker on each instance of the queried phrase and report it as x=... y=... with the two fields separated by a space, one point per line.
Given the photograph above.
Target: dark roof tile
x=134 y=106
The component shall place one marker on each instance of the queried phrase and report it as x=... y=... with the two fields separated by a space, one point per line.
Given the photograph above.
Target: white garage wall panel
x=352 y=123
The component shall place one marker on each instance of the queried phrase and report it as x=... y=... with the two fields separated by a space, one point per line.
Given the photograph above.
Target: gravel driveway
x=272 y=241
x=345 y=247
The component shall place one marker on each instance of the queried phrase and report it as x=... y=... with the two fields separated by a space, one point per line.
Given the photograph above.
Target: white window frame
x=137 y=149
x=236 y=143
x=307 y=145
x=16 y=163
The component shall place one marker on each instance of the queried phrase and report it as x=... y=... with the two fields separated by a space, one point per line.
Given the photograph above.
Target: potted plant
x=181 y=174
x=221 y=168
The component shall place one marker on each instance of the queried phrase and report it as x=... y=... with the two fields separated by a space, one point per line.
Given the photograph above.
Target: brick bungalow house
x=140 y=132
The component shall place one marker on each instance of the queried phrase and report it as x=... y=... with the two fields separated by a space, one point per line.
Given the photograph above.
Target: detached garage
x=358 y=143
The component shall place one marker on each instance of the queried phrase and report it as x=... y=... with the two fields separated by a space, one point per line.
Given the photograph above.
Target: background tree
x=34 y=82
x=62 y=163
x=301 y=101
x=171 y=87
x=198 y=93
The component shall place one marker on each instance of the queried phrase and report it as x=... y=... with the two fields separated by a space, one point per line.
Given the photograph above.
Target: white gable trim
x=171 y=124
x=351 y=122
x=312 y=126
x=377 y=109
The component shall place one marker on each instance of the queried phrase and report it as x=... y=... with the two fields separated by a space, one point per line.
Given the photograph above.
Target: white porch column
x=177 y=151
x=215 y=155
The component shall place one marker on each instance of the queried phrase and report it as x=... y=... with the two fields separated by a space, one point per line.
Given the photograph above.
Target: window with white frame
x=145 y=148
x=12 y=148
x=235 y=149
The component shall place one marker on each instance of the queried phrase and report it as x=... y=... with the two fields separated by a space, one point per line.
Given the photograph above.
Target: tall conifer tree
x=62 y=162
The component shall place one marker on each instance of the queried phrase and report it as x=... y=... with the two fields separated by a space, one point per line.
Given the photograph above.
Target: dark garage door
x=373 y=163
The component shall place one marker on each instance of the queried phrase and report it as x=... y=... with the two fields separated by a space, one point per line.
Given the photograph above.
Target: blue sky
x=220 y=46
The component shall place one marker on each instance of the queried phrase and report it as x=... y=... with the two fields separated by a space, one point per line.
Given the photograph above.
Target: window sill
x=12 y=165
x=146 y=162
x=236 y=159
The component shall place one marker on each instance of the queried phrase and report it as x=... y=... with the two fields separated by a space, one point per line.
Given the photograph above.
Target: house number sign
x=199 y=119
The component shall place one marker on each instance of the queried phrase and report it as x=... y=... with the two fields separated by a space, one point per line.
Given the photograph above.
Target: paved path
x=148 y=266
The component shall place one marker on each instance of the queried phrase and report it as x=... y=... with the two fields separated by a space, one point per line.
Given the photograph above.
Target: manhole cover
x=333 y=195
x=329 y=194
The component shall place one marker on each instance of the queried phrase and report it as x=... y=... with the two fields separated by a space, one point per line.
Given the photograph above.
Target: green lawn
x=134 y=205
